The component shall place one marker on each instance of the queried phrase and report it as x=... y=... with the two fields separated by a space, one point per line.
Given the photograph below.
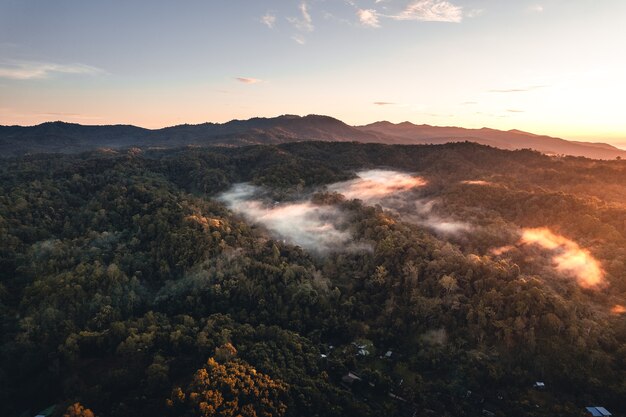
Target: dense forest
x=133 y=284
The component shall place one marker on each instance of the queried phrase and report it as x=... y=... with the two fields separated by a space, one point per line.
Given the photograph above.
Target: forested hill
x=312 y=279
x=60 y=137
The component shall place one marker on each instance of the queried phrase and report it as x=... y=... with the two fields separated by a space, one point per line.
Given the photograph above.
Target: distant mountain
x=61 y=137
x=70 y=138
x=512 y=139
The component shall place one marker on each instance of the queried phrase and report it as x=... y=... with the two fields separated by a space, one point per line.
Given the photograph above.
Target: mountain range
x=62 y=137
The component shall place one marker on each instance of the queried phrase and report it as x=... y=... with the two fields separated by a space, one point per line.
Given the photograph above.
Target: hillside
x=312 y=279
x=60 y=137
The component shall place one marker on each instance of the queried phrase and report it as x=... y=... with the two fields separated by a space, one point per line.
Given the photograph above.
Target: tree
x=231 y=389
x=78 y=410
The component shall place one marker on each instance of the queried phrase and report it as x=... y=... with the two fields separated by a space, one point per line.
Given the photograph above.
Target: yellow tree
x=227 y=390
x=77 y=410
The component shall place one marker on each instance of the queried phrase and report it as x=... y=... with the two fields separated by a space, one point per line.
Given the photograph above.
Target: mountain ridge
x=65 y=137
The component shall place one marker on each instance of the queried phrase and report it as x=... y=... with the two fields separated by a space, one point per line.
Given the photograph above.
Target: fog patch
x=303 y=223
x=447 y=227
x=566 y=255
x=476 y=182
x=502 y=250
x=395 y=192
x=422 y=212
x=618 y=309
x=373 y=186
x=324 y=227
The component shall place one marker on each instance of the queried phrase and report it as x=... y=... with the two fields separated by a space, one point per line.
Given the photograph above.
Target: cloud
x=384 y=103
x=446 y=227
x=329 y=16
x=422 y=214
x=303 y=223
x=368 y=17
x=502 y=250
x=536 y=8
x=474 y=13
x=431 y=11
x=316 y=227
x=269 y=20
x=476 y=182
x=567 y=256
x=374 y=185
x=304 y=23
x=299 y=39
x=515 y=111
x=323 y=228
x=248 y=80
x=618 y=309
x=38 y=70
x=393 y=191
x=518 y=90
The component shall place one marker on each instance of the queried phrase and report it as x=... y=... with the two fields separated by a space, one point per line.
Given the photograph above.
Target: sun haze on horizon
x=549 y=66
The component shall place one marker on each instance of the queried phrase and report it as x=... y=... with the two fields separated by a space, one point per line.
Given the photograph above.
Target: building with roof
x=47 y=412
x=598 y=411
x=350 y=378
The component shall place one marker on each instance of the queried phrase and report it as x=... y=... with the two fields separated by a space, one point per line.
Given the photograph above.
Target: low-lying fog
x=324 y=227
x=303 y=223
x=567 y=257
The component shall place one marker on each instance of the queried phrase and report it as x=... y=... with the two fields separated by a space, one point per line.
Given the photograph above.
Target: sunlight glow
x=569 y=258
x=376 y=184
x=618 y=309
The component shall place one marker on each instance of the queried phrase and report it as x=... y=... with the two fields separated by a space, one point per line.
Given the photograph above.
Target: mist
x=566 y=255
x=476 y=182
x=395 y=192
x=374 y=186
x=324 y=228
x=618 y=309
x=303 y=223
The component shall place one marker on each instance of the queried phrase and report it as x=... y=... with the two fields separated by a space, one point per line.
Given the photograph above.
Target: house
x=47 y=412
x=361 y=349
x=598 y=411
x=539 y=385
x=350 y=378
x=388 y=354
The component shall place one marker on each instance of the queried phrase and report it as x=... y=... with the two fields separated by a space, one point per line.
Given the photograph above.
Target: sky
x=553 y=67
